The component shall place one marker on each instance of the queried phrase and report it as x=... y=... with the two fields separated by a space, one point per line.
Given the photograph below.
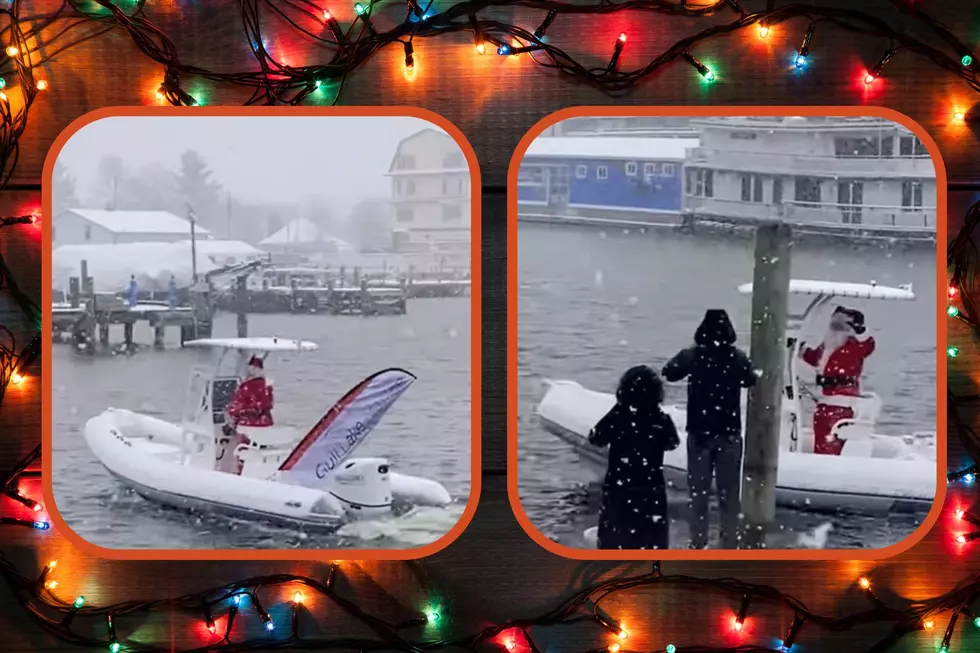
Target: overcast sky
x=257 y=159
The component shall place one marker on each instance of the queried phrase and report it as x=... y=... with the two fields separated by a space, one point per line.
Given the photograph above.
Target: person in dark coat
x=716 y=372
x=634 y=492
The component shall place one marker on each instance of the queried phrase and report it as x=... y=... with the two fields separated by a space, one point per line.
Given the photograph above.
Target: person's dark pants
x=719 y=456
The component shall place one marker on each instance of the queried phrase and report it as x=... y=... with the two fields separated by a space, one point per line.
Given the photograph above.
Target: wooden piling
x=158 y=334
x=763 y=421
x=128 y=335
x=241 y=305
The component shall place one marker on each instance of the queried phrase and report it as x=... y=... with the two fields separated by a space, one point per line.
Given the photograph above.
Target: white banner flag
x=344 y=427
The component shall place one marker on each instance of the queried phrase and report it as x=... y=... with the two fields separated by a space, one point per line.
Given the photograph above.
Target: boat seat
x=858 y=449
x=270 y=436
x=853 y=430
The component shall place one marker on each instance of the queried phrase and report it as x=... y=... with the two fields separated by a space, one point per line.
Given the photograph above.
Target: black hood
x=716 y=329
x=640 y=386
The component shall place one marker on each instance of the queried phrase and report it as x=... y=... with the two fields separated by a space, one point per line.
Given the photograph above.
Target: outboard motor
x=363 y=486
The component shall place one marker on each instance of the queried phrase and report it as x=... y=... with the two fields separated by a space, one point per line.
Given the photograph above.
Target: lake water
x=594 y=302
x=427 y=433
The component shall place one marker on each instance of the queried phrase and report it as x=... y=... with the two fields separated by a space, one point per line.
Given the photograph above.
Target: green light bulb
x=671 y=648
x=114 y=647
x=952 y=311
x=359 y=9
x=952 y=352
x=976 y=622
x=966 y=60
x=432 y=616
x=710 y=76
x=79 y=601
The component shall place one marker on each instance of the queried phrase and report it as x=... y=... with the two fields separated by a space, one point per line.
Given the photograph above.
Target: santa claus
x=839 y=361
x=250 y=406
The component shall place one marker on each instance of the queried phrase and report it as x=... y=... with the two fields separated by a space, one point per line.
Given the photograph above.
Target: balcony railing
x=788 y=163
x=817 y=214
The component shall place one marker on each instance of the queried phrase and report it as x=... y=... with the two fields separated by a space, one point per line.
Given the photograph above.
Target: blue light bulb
x=503 y=50
x=800 y=60
x=42 y=525
x=270 y=625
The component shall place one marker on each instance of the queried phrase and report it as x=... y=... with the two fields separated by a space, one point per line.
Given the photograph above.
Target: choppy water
x=427 y=433
x=594 y=302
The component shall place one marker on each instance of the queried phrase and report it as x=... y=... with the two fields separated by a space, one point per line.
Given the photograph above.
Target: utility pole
x=192 y=219
x=763 y=422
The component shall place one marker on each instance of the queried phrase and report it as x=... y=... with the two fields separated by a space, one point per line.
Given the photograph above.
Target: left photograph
x=263 y=332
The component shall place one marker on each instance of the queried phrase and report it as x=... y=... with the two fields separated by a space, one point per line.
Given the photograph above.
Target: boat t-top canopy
x=842 y=289
x=254 y=344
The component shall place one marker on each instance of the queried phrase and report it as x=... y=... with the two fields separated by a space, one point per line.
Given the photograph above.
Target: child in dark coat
x=634 y=492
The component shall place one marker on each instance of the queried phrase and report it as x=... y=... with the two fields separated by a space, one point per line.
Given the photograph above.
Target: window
x=911 y=195
x=649 y=169
x=911 y=146
x=581 y=172
x=405 y=162
x=668 y=170
x=631 y=168
x=777 y=190
x=743 y=136
x=88 y=232
x=807 y=190
x=452 y=212
x=405 y=214
x=751 y=188
x=409 y=186
x=602 y=172
x=454 y=160
x=700 y=182
x=850 y=196
x=863 y=147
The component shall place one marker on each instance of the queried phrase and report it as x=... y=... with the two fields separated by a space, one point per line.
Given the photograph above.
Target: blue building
x=603 y=176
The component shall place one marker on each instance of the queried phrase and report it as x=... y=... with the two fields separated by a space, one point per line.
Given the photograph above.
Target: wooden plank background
x=494 y=572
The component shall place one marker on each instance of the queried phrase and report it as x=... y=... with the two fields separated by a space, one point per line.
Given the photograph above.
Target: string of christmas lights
x=374 y=27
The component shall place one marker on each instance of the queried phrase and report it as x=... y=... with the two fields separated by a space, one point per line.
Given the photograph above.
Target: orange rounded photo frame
x=476 y=331
x=513 y=489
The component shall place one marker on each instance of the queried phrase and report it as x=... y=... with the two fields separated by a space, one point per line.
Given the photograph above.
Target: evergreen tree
x=198 y=188
x=63 y=189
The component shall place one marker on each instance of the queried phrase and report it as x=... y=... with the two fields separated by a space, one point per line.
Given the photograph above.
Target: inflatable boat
x=875 y=473
x=286 y=478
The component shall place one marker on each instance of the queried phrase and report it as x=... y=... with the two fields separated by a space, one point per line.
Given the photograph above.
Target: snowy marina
x=615 y=297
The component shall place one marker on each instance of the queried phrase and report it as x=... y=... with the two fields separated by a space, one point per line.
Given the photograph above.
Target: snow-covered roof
x=600 y=147
x=225 y=248
x=254 y=344
x=138 y=222
x=303 y=231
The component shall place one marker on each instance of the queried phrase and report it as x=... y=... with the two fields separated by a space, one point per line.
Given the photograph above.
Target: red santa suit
x=251 y=406
x=839 y=361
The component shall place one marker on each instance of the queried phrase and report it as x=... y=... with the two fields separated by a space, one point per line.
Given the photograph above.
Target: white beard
x=832 y=341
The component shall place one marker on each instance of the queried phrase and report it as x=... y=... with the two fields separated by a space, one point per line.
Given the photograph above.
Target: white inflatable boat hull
x=905 y=481
x=150 y=456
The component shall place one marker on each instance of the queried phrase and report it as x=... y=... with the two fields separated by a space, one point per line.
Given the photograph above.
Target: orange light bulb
x=481 y=48
x=763 y=31
x=864 y=583
x=42 y=84
x=16 y=378
x=13 y=51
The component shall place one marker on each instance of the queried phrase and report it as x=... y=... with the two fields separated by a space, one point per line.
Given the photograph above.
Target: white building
x=301 y=237
x=851 y=173
x=107 y=227
x=430 y=193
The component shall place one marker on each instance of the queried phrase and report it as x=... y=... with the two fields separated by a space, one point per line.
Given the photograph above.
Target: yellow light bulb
x=42 y=84
x=13 y=51
x=51 y=584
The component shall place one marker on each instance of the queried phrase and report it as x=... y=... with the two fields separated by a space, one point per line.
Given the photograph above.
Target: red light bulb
x=622 y=37
x=869 y=79
x=327 y=15
x=737 y=625
x=953 y=291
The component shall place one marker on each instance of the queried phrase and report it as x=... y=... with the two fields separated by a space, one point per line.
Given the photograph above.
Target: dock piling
x=241 y=304
x=763 y=422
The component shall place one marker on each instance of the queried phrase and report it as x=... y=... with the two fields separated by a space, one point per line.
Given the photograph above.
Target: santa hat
x=255 y=361
x=852 y=318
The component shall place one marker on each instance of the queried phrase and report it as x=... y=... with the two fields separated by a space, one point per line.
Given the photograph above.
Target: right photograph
x=726 y=333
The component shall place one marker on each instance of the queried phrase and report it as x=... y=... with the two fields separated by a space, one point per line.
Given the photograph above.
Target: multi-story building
x=837 y=174
x=431 y=196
